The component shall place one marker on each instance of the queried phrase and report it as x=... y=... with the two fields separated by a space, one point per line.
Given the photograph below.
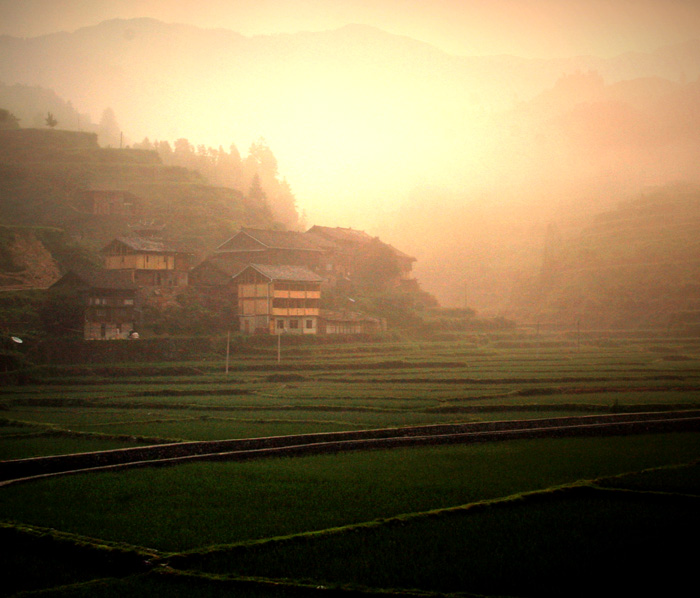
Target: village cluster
x=273 y=278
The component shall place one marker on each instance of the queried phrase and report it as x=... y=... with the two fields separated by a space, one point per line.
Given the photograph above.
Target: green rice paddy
x=566 y=515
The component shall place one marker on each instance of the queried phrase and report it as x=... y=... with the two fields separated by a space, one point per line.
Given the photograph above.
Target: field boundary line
x=24 y=470
x=81 y=540
x=579 y=487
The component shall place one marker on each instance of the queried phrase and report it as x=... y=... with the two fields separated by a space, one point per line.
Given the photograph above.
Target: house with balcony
x=109 y=301
x=151 y=262
x=274 y=247
x=276 y=299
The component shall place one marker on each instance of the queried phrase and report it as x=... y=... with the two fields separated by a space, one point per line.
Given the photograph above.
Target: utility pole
x=228 y=348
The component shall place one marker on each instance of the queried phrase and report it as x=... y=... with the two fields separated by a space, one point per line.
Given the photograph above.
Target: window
x=309 y=324
x=294 y=324
x=280 y=324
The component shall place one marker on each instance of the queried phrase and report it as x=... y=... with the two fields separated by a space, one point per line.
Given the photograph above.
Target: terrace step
x=16 y=470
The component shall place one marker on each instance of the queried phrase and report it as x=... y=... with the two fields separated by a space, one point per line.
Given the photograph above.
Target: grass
x=195 y=505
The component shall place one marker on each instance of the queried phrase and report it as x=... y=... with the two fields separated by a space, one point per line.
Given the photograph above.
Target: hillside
x=635 y=266
x=355 y=114
x=44 y=175
x=574 y=151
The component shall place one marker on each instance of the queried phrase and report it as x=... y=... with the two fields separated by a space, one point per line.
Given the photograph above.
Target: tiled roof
x=399 y=253
x=148 y=245
x=286 y=273
x=321 y=241
x=225 y=264
x=98 y=279
x=345 y=316
x=341 y=235
x=277 y=239
x=350 y=236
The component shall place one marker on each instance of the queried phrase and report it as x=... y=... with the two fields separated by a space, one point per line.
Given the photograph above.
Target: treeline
x=28 y=107
x=256 y=176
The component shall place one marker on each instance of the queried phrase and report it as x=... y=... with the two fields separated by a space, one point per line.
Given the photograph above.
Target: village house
x=103 y=202
x=349 y=322
x=276 y=278
x=345 y=247
x=215 y=274
x=274 y=247
x=109 y=301
x=277 y=299
x=150 y=261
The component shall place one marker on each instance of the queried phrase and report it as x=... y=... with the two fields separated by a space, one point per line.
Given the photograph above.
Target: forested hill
x=635 y=266
x=44 y=174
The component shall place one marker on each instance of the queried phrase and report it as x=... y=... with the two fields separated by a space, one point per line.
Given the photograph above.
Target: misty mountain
x=332 y=104
x=380 y=131
x=141 y=66
x=634 y=266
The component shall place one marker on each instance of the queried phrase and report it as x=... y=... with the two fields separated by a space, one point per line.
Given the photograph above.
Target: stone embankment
x=18 y=470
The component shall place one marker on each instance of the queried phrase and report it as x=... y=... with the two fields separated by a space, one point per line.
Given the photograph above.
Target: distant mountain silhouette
x=153 y=73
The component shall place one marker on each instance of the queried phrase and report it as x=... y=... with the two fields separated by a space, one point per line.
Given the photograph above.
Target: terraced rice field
x=487 y=519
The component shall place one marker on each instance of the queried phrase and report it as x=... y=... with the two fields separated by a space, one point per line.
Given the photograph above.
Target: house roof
x=111 y=192
x=323 y=242
x=223 y=263
x=284 y=273
x=339 y=234
x=350 y=236
x=275 y=239
x=146 y=245
x=400 y=254
x=345 y=316
x=93 y=278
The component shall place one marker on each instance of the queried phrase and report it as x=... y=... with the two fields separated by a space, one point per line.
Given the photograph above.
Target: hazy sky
x=531 y=28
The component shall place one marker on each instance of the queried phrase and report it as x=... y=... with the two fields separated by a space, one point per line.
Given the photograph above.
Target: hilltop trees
x=256 y=174
x=109 y=132
x=8 y=120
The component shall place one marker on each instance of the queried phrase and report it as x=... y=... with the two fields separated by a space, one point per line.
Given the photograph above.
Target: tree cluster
x=256 y=175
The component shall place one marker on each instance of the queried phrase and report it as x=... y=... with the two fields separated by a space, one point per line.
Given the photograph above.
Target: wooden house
x=350 y=244
x=104 y=202
x=349 y=239
x=109 y=301
x=348 y=322
x=216 y=273
x=151 y=262
x=273 y=247
x=275 y=299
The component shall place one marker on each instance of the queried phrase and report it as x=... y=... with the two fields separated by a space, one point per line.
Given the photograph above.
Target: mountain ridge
x=357 y=128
